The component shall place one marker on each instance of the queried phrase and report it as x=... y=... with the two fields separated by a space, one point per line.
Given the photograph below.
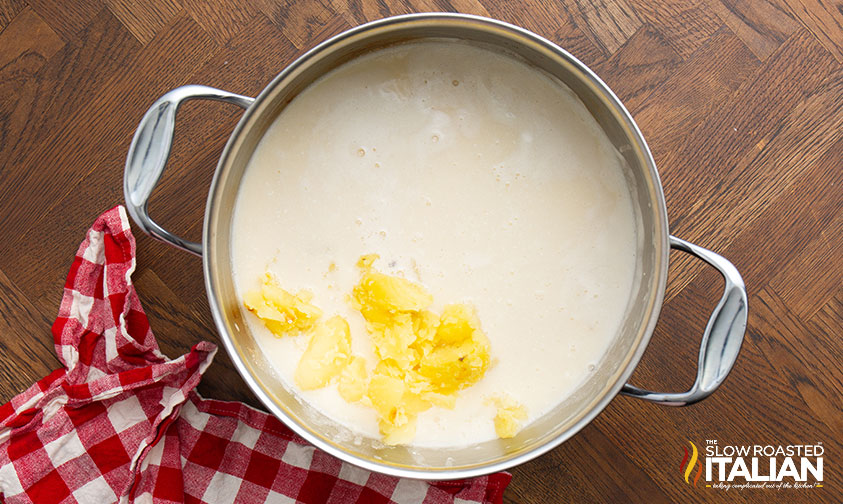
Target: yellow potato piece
x=459 y=356
x=425 y=324
x=509 y=416
x=283 y=313
x=392 y=340
x=327 y=353
x=386 y=393
x=395 y=435
x=352 y=384
x=457 y=324
x=397 y=407
x=441 y=400
x=385 y=295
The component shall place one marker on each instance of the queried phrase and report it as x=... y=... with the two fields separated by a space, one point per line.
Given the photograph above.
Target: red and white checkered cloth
x=122 y=423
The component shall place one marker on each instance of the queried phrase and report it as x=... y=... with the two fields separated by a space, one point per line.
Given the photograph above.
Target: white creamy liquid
x=470 y=172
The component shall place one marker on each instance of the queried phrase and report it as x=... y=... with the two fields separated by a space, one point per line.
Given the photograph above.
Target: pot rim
x=625 y=368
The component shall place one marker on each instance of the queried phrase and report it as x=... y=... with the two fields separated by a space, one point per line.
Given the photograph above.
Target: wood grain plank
x=304 y=23
x=474 y=7
x=723 y=138
x=67 y=18
x=795 y=349
x=363 y=11
x=590 y=466
x=766 y=247
x=759 y=400
x=746 y=189
x=609 y=23
x=144 y=18
x=529 y=487
x=223 y=20
x=130 y=93
x=638 y=67
x=671 y=113
x=827 y=318
x=553 y=21
x=8 y=10
x=26 y=343
x=93 y=142
x=685 y=25
x=28 y=42
x=619 y=472
x=805 y=293
x=69 y=81
x=824 y=19
x=813 y=126
x=763 y=25
x=569 y=37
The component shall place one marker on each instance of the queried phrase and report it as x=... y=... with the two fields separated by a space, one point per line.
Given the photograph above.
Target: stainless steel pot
x=721 y=340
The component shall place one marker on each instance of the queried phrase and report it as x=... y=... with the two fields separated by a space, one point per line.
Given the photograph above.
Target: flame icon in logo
x=690 y=467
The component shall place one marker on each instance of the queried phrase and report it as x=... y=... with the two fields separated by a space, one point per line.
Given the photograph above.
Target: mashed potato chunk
x=352 y=384
x=283 y=313
x=509 y=417
x=425 y=359
x=327 y=354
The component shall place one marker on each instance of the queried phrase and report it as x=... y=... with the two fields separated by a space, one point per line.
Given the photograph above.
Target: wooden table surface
x=741 y=102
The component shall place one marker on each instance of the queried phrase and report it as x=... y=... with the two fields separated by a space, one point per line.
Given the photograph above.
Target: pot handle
x=150 y=149
x=721 y=340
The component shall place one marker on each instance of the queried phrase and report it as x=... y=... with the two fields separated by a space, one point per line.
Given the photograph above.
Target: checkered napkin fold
x=120 y=422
